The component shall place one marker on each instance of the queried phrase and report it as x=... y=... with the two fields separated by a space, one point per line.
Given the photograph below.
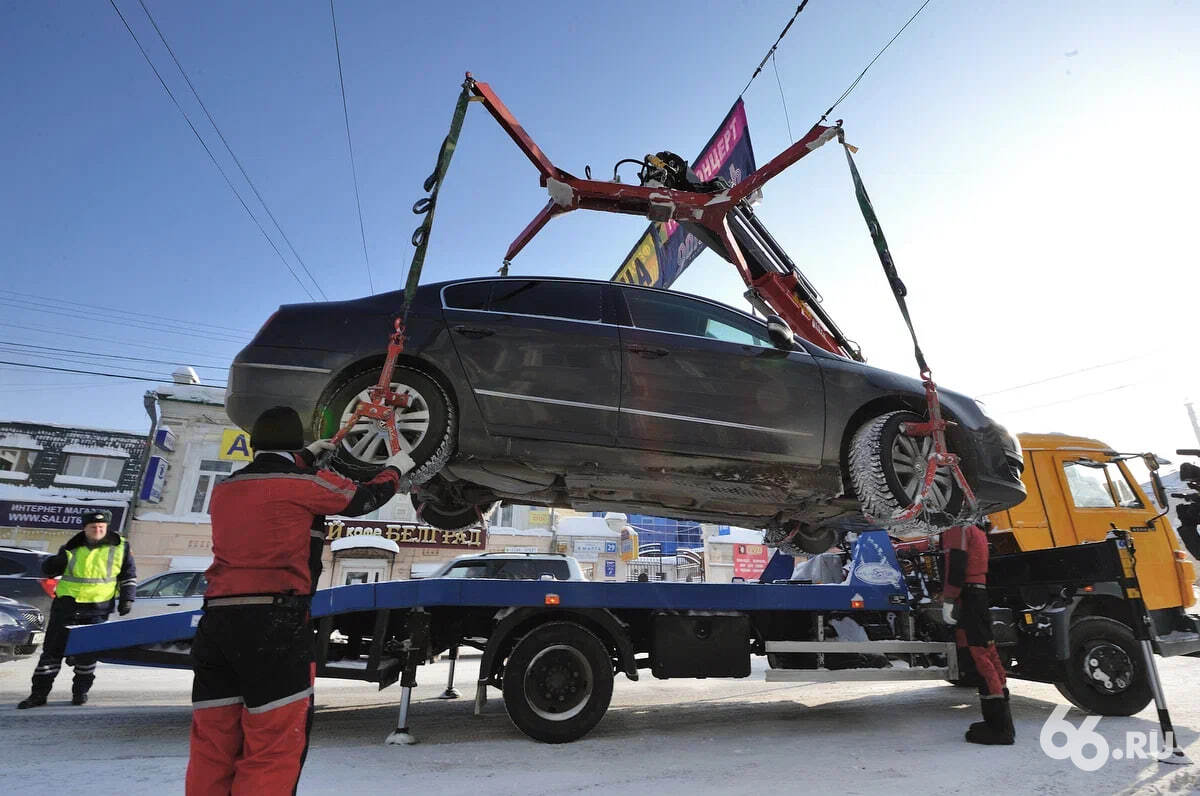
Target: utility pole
x=1192 y=416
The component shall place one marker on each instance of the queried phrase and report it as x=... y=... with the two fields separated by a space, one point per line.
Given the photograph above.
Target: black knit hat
x=97 y=516
x=277 y=429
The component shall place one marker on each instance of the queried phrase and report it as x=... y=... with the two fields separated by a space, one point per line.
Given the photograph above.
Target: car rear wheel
x=887 y=467
x=426 y=425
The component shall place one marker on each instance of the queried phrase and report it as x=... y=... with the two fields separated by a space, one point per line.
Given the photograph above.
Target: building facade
x=50 y=474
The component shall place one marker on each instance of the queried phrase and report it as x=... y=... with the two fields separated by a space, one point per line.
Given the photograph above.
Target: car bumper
x=17 y=642
x=264 y=377
x=996 y=468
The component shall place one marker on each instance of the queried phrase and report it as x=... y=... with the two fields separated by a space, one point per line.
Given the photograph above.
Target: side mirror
x=781 y=334
x=1160 y=492
x=1152 y=461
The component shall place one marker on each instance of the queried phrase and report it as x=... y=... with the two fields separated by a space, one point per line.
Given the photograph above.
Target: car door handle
x=646 y=352
x=474 y=332
x=174 y=605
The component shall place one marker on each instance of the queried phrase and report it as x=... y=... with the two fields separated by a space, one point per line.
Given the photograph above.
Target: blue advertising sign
x=665 y=249
x=610 y=568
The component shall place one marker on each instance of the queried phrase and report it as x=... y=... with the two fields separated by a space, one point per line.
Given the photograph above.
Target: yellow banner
x=235 y=446
x=641 y=266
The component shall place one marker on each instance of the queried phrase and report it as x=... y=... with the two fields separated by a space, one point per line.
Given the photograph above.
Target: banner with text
x=749 y=560
x=661 y=254
x=406 y=534
x=58 y=516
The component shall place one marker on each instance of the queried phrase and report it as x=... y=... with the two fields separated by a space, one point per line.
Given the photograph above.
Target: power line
x=229 y=149
x=52 y=300
x=350 y=143
x=771 y=51
x=854 y=85
x=23 y=304
x=107 y=356
x=74 y=336
x=1063 y=375
x=783 y=99
x=131 y=367
x=96 y=373
x=212 y=157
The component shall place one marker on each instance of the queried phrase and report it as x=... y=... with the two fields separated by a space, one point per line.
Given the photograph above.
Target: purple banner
x=666 y=249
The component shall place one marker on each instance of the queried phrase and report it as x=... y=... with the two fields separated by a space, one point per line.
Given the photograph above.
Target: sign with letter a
x=235 y=446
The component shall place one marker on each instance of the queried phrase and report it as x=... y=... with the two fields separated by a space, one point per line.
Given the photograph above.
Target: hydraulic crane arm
x=718 y=214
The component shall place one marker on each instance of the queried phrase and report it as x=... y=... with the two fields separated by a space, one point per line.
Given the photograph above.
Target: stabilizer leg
x=451 y=692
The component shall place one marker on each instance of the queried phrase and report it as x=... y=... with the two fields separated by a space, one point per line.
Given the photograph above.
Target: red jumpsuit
x=254 y=650
x=966 y=582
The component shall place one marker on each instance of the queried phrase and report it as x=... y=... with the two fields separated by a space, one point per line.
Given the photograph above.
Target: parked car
x=511 y=566
x=21 y=577
x=20 y=629
x=177 y=590
x=604 y=396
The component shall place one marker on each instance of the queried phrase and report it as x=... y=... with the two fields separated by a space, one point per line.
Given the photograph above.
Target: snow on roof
x=193 y=393
x=141 y=434
x=96 y=450
x=585 y=526
x=738 y=536
x=364 y=540
x=504 y=530
x=192 y=517
x=20 y=441
x=60 y=494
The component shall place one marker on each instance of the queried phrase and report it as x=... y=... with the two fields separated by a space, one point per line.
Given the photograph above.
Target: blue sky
x=1032 y=165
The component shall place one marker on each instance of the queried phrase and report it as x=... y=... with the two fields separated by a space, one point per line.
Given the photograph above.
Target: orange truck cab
x=1078 y=490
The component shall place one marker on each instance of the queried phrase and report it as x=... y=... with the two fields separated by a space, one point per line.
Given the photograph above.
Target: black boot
x=79 y=698
x=996 y=729
x=980 y=726
x=32 y=701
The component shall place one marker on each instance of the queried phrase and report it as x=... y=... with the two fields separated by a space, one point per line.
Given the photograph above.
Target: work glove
x=948 y=613
x=319 y=447
x=401 y=462
x=124 y=607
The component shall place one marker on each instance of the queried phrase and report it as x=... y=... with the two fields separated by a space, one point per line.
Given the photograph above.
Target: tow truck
x=553 y=648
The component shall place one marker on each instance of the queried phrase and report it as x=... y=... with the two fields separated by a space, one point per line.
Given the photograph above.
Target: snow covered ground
x=659 y=737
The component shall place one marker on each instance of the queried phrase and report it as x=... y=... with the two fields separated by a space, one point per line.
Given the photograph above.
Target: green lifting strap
x=885 y=256
x=433 y=184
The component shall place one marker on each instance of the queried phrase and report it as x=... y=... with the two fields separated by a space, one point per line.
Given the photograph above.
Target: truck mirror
x=1160 y=491
x=781 y=334
x=1151 y=461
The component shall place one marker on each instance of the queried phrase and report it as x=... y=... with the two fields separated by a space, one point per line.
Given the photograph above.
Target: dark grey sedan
x=597 y=396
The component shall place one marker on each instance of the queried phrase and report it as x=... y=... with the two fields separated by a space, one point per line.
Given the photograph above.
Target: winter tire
x=426 y=425
x=886 y=468
x=448 y=518
x=1105 y=674
x=558 y=682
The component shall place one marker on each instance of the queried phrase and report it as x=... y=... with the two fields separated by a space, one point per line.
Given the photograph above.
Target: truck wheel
x=426 y=425
x=886 y=469
x=1105 y=673
x=558 y=682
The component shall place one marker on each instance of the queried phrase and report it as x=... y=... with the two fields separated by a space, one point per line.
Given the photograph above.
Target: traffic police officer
x=97 y=570
x=254 y=650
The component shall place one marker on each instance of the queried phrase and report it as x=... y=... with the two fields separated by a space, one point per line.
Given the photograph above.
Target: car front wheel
x=887 y=468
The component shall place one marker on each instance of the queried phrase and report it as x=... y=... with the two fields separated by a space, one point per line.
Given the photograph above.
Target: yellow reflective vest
x=91 y=573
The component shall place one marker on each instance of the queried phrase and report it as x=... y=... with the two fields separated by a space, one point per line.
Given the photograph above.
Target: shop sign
x=235 y=446
x=405 y=534
x=749 y=560
x=587 y=551
x=57 y=516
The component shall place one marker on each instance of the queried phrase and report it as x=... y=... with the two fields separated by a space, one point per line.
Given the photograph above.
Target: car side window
x=174 y=584
x=10 y=567
x=666 y=313
x=577 y=301
x=468 y=295
x=200 y=586
x=147 y=588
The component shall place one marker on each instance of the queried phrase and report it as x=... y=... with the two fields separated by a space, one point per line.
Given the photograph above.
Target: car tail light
x=49 y=585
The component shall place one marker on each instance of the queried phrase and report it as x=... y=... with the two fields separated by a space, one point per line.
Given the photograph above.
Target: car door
x=539 y=360
x=163 y=594
x=702 y=378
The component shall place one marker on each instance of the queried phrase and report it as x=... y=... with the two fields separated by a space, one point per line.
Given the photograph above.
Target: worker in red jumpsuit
x=965 y=604
x=254 y=650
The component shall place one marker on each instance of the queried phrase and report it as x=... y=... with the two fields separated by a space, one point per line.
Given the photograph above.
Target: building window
x=211 y=470
x=84 y=470
x=15 y=464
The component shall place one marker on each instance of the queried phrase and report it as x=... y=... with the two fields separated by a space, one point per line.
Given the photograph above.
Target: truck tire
x=428 y=435
x=558 y=681
x=1105 y=674
x=886 y=468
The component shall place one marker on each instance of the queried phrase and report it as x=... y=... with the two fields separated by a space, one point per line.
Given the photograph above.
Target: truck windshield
x=1100 y=487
